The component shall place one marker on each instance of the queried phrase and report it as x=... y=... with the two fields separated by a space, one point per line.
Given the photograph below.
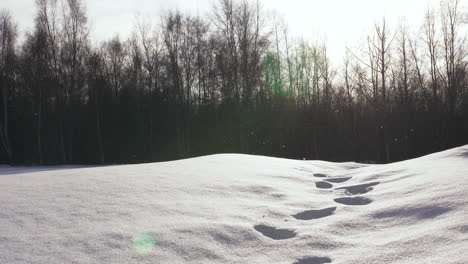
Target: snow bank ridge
x=238 y=209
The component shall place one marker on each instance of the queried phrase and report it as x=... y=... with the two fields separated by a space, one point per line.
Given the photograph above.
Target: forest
x=230 y=81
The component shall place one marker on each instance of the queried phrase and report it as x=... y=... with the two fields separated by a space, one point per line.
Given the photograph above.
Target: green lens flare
x=144 y=243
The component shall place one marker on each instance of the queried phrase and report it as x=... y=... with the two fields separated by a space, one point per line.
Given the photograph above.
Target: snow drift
x=238 y=209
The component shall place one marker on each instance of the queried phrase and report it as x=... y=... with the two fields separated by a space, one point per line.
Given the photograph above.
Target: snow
x=238 y=209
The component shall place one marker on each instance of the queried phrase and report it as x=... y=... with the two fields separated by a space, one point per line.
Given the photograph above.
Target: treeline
x=232 y=81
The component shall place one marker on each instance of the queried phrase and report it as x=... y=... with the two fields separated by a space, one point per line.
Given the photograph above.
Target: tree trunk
x=39 y=128
x=5 y=134
x=99 y=136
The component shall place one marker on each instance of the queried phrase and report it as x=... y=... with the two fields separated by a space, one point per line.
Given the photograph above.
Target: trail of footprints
x=323 y=183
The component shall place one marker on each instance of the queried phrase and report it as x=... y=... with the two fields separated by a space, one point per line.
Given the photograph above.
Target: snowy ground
x=238 y=209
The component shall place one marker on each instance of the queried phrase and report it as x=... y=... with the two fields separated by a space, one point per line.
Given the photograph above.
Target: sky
x=341 y=23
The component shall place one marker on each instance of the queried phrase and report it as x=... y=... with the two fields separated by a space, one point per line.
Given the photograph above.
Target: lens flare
x=144 y=243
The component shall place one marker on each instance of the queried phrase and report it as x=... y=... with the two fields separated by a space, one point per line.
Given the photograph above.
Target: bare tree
x=453 y=50
x=114 y=56
x=74 y=51
x=48 y=23
x=454 y=61
x=403 y=83
x=432 y=43
x=8 y=34
x=96 y=80
x=150 y=41
x=225 y=22
x=379 y=63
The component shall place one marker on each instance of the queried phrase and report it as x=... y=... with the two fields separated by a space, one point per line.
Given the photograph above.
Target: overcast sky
x=340 y=22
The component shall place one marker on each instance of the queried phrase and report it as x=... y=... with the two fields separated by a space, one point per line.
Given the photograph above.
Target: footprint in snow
x=338 y=180
x=359 y=189
x=315 y=214
x=323 y=185
x=313 y=260
x=275 y=233
x=320 y=175
x=353 y=200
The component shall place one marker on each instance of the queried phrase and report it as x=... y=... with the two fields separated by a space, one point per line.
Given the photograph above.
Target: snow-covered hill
x=238 y=209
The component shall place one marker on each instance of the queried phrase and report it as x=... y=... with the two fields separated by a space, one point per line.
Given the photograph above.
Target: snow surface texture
x=238 y=209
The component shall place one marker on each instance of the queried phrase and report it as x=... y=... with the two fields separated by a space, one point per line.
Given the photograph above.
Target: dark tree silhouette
x=230 y=81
